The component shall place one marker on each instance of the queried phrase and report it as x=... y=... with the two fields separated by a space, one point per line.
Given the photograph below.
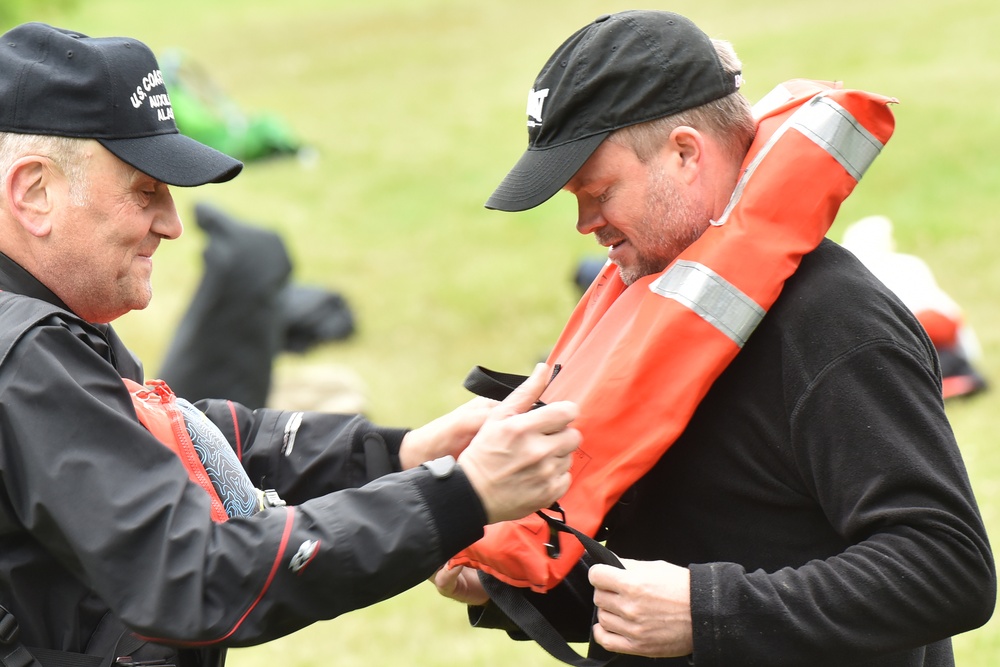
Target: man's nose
x=588 y=216
x=168 y=222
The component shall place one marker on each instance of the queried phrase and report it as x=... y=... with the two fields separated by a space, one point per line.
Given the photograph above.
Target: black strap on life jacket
x=497 y=385
x=511 y=600
x=492 y=384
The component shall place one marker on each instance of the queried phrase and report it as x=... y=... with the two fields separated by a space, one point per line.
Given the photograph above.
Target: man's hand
x=446 y=435
x=519 y=461
x=460 y=583
x=644 y=609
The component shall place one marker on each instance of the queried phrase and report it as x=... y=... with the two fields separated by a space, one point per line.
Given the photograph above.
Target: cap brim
x=539 y=174
x=175 y=159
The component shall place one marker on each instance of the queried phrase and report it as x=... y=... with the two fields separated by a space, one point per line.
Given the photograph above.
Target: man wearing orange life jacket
x=815 y=509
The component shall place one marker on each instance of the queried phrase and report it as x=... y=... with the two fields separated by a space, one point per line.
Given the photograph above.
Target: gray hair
x=728 y=119
x=66 y=152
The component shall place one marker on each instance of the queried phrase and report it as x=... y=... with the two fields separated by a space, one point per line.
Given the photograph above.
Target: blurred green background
x=415 y=110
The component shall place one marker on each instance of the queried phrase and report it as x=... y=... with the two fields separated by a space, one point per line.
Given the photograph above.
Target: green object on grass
x=205 y=113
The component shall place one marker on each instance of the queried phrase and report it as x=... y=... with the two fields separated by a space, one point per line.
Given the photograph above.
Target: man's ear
x=30 y=195
x=689 y=147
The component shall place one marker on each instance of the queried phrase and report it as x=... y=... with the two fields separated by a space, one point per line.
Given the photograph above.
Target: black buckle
x=9 y=628
x=552 y=546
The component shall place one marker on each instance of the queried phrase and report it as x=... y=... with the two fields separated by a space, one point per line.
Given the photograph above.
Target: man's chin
x=139 y=301
x=630 y=274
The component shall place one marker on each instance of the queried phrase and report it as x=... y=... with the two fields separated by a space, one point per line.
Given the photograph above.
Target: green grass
x=416 y=110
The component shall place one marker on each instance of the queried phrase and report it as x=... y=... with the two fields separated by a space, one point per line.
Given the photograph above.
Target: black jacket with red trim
x=96 y=515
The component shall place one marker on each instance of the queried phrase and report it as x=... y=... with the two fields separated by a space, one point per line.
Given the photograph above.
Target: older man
x=108 y=550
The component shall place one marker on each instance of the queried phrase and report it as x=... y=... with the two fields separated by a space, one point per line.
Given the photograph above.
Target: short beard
x=671 y=223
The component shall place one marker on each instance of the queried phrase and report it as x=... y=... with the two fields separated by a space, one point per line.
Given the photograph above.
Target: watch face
x=442 y=467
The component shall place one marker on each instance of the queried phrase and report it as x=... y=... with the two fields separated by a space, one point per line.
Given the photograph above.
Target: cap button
x=602 y=18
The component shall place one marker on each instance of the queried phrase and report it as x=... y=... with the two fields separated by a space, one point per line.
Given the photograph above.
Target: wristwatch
x=441 y=468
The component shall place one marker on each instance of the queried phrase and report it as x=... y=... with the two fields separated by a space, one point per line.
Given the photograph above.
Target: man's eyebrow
x=577 y=182
x=134 y=175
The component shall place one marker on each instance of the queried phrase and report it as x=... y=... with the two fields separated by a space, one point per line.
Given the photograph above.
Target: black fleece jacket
x=818 y=494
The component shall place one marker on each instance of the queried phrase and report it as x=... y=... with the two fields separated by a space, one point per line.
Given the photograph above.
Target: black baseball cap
x=63 y=83
x=622 y=69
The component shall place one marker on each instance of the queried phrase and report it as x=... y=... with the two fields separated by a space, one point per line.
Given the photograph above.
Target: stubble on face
x=670 y=224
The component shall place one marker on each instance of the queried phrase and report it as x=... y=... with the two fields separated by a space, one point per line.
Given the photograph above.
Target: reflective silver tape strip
x=833 y=128
x=712 y=297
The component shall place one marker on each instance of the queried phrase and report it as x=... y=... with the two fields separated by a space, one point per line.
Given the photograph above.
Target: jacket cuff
x=458 y=514
x=705 y=588
x=393 y=439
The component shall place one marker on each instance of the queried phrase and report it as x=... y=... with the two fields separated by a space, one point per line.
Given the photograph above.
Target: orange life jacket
x=639 y=359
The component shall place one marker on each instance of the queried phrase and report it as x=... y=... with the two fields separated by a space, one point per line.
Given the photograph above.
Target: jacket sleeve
x=305 y=454
x=874 y=448
x=116 y=509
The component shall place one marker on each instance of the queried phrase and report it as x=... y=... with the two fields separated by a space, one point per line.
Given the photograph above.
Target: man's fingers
x=551 y=418
x=461 y=584
x=445 y=579
x=605 y=577
x=524 y=396
x=611 y=641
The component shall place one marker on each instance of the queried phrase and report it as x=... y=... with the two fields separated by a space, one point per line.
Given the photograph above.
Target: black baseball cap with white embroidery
x=63 y=83
x=622 y=69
